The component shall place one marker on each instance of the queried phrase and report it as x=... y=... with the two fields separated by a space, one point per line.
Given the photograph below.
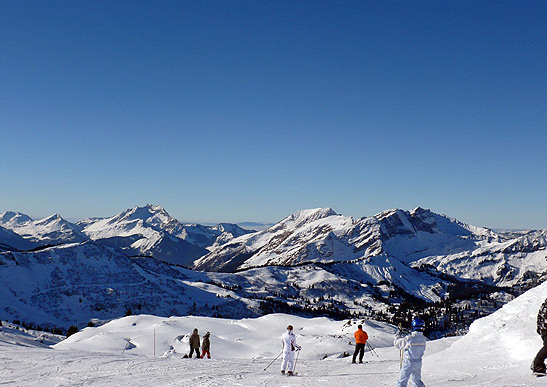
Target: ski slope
x=148 y=351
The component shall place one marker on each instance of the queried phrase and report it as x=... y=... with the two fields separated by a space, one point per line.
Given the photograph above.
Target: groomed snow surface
x=497 y=351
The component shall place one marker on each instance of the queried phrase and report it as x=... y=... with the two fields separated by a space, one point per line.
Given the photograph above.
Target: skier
x=361 y=338
x=194 y=343
x=538 y=365
x=289 y=347
x=414 y=348
x=205 y=346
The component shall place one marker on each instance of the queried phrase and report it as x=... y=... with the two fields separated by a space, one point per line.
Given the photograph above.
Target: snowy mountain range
x=418 y=239
x=147 y=231
x=53 y=230
x=312 y=262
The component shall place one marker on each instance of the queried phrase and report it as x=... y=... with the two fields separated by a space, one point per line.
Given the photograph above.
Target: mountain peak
x=51 y=219
x=420 y=210
x=144 y=213
x=13 y=218
x=155 y=207
x=311 y=214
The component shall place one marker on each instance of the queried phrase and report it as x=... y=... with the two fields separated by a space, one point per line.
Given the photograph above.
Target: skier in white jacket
x=414 y=348
x=289 y=348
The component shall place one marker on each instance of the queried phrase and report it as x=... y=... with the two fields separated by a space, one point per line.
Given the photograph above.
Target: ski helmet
x=418 y=324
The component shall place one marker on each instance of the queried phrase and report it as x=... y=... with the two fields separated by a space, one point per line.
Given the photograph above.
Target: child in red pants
x=205 y=346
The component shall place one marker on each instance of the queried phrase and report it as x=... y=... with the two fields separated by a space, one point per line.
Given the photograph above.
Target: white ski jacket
x=413 y=345
x=289 y=341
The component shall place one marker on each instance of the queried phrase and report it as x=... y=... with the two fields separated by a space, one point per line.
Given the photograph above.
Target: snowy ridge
x=148 y=231
x=11 y=219
x=51 y=230
x=287 y=237
x=135 y=221
x=151 y=231
x=72 y=284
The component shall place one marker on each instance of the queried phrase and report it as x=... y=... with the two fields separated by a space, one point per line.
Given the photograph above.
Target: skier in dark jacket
x=194 y=343
x=205 y=346
x=538 y=365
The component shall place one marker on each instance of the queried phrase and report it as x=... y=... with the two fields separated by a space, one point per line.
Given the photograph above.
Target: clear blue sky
x=251 y=110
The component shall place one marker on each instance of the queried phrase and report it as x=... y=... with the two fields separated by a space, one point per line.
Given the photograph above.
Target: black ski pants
x=192 y=352
x=359 y=349
x=539 y=364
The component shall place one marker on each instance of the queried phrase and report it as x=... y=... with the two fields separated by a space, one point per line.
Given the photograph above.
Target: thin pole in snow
x=126 y=345
x=154 y=343
x=273 y=361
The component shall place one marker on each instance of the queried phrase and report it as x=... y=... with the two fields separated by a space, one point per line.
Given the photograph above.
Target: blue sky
x=251 y=110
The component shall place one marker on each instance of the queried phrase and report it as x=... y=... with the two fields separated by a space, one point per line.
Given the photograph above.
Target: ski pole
x=298 y=354
x=268 y=366
x=126 y=345
x=401 y=332
x=372 y=349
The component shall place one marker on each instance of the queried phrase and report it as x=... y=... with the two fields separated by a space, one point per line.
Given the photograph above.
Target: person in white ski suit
x=289 y=348
x=413 y=346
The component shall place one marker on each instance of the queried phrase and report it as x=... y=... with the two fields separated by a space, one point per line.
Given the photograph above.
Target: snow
x=148 y=350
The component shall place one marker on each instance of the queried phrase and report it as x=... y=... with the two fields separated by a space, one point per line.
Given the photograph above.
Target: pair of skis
x=287 y=374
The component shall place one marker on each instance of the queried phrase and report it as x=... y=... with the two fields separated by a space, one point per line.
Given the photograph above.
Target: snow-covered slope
x=12 y=241
x=73 y=283
x=239 y=339
x=499 y=347
x=52 y=230
x=148 y=350
x=502 y=263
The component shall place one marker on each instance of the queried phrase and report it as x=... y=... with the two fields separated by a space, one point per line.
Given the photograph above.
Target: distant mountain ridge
x=147 y=231
x=417 y=238
x=51 y=230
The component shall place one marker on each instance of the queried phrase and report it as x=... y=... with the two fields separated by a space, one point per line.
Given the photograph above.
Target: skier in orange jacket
x=361 y=338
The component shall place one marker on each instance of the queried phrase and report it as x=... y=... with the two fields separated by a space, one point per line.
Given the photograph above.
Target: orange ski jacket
x=361 y=336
